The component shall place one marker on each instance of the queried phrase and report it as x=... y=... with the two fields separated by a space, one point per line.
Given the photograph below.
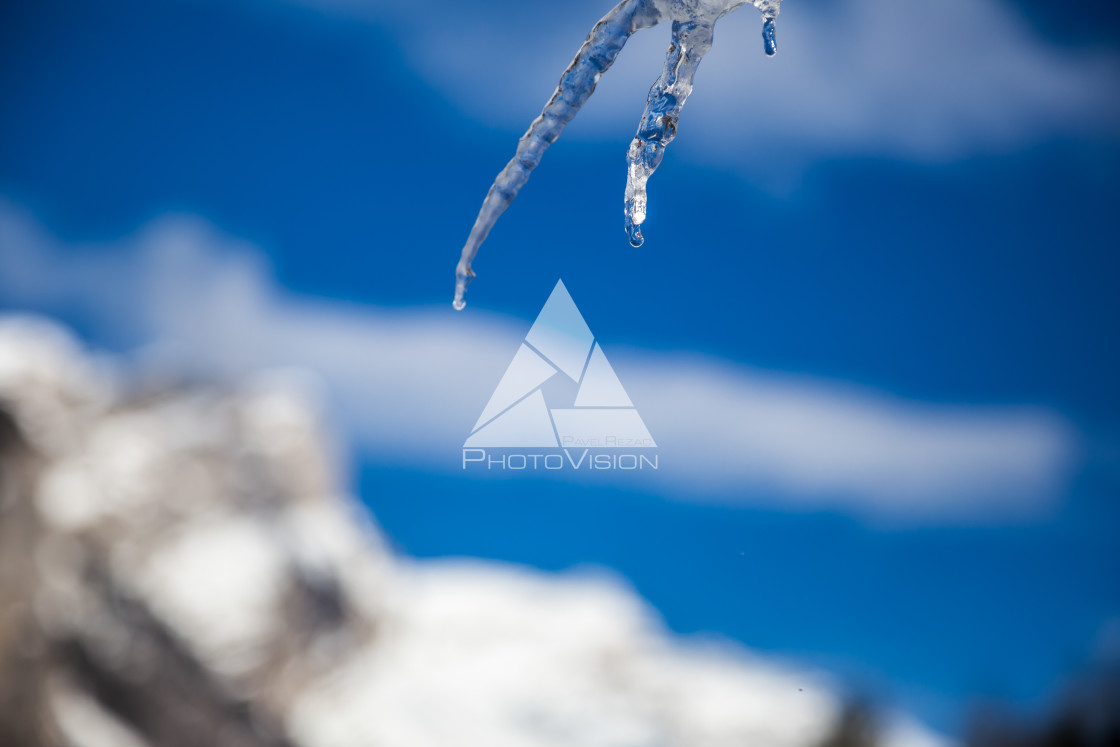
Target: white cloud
x=408 y=384
x=915 y=80
x=815 y=442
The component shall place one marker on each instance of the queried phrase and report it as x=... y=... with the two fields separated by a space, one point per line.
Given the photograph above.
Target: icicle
x=691 y=41
x=576 y=84
x=693 y=22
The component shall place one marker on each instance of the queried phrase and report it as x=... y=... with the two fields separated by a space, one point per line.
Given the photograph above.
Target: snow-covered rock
x=181 y=567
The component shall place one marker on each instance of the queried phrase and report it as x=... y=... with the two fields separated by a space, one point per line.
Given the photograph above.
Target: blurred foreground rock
x=180 y=568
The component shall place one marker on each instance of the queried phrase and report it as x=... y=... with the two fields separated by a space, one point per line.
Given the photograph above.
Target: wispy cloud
x=408 y=384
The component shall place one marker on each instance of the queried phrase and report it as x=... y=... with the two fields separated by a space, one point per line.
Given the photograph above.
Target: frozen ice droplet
x=769 y=43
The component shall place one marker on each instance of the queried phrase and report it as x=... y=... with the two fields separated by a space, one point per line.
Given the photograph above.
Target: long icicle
x=576 y=84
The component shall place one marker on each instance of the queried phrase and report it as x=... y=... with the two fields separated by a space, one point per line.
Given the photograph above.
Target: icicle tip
x=463 y=278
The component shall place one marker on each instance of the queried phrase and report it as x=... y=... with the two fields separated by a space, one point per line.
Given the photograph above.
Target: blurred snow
x=214 y=566
x=80 y=715
x=486 y=655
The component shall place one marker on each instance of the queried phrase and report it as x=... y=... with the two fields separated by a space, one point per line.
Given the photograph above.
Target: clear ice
x=693 y=23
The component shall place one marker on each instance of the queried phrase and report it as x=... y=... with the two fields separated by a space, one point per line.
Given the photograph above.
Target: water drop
x=769 y=43
x=634 y=233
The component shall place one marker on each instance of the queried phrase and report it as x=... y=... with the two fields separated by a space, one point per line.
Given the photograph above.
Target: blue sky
x=890 y=253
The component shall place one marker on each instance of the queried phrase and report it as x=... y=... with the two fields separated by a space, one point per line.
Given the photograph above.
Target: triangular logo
x=559 y=344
